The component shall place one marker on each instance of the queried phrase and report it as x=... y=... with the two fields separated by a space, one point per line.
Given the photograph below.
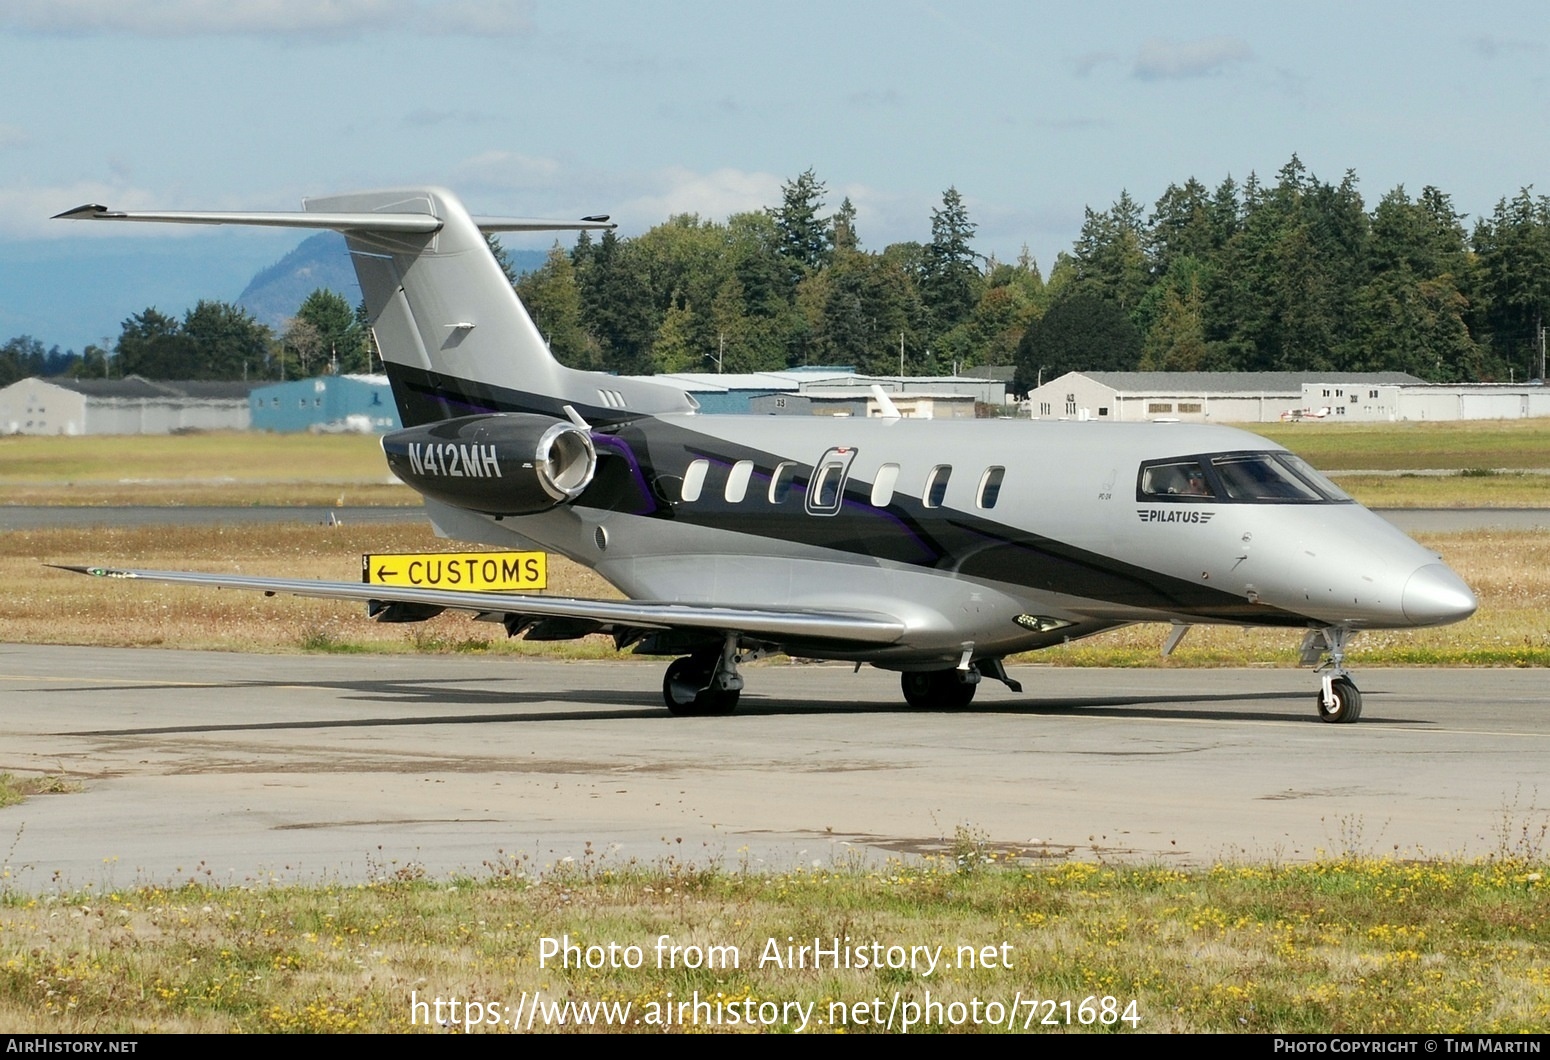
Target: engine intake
x=504 y=463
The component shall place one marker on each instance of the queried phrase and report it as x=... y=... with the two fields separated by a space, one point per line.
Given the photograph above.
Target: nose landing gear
x=1339 y=700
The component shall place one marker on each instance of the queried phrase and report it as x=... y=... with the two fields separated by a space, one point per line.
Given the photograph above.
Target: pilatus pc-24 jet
x=935 y=549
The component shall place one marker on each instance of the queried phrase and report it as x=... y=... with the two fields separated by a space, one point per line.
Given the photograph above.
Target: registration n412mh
x=934 y=549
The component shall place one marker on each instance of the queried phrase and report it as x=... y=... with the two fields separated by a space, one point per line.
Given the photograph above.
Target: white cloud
x=1161 y=59
x=509 y=182
x=715 y=195
x=477 y=18
x=13 y=136
x=325 y=19
x=508 y=171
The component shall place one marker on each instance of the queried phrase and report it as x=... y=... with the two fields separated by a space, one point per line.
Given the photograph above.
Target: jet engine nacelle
x=501 y=463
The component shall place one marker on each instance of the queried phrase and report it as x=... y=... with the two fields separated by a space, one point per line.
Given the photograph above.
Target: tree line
x=213 y=340
x=1296 y=275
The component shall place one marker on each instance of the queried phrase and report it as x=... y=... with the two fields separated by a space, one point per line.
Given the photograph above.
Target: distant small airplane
x=935 y=549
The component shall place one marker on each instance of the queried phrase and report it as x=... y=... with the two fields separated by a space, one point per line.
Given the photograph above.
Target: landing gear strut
x=705 y=683
x=1339 y=700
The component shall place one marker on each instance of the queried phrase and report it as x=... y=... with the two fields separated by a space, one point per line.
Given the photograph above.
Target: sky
x=1033 y=111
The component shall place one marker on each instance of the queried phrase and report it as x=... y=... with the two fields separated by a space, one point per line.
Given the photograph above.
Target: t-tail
x=454 y=338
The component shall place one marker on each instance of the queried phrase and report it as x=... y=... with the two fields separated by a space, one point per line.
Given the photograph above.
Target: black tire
x=684 y=691
x=936 y=689
x=1348 y=702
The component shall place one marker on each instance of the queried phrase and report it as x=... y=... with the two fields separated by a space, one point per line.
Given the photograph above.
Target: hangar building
x=131 y=405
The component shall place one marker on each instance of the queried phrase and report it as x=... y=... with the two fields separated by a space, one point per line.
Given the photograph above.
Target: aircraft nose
x=1435 y=596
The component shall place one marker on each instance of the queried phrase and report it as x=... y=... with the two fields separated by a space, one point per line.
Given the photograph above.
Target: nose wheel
x=1339 y=700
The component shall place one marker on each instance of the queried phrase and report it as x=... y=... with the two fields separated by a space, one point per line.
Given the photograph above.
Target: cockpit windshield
x=1236 y=478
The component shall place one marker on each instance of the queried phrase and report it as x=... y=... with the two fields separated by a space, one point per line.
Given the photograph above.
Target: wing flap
x=867 y=627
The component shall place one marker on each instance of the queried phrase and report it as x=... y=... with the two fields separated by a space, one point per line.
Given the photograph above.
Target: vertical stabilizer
x=453 y=335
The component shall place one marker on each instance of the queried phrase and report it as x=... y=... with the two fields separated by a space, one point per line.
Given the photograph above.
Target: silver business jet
x=934 y=549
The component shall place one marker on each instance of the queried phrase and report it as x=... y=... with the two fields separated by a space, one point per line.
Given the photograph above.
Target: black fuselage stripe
x=905 y=532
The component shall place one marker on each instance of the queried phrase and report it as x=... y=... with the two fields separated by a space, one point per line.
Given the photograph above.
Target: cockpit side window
x=1175 y=480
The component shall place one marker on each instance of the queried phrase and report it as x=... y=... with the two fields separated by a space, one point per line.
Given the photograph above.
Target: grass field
x=1348 y=944
x=219 y=468
x=1391 y=446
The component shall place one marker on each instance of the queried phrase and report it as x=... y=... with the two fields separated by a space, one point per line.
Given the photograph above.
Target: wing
x=863 y=627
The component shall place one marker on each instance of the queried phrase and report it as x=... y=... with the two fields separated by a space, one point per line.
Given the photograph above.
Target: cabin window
x=694 y=480
x=737 y=481
x=990 y=486
x=1155 y=407
x=1189 y=406
x=780 y=482
x=936 y=485
x=883 y=484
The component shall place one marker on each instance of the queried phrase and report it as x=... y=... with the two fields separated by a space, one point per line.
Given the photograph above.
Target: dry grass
x=47 y=606
x=1509 y=570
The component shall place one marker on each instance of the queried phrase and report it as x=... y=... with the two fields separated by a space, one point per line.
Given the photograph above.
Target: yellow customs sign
x=477 y=571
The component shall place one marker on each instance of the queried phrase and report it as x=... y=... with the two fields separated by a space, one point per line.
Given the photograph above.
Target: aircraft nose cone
x=1435 y=596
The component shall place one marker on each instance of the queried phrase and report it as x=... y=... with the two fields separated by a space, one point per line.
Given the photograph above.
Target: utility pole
x=1541 y=350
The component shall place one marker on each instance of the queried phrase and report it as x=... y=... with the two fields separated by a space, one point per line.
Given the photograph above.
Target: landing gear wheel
x=1348 y=702
x=937 y=689
x=684 y=691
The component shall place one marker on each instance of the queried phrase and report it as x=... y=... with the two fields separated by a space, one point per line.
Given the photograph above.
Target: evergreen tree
x=949 y=278
x=553 y=300
x=151 y=344
x=1080 y=333
x=843 y=234
x=338 y=341
x=1109 y=254
x=805 y=240
x=223 y=341
x=617 y=303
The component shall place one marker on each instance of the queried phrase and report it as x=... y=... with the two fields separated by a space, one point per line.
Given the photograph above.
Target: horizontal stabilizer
x=855 y=626
x=340 y=222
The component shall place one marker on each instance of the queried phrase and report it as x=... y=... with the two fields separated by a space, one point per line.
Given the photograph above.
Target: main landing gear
x=940 y=689
x=705 y=683
x=1339 y=700
x=951 y=689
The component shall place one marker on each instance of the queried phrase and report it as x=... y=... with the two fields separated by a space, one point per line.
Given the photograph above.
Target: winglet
x=90 y=211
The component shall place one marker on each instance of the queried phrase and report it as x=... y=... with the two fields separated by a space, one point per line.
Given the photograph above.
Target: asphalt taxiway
x=236 y=768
